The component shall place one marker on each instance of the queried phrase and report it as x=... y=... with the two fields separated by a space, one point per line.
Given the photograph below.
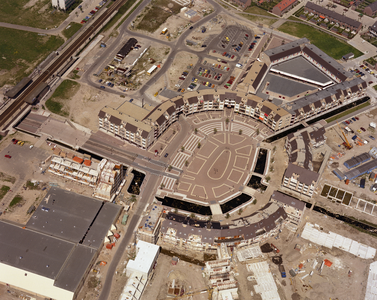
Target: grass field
x=156 y=15
x=21 y=50
x=327 y=43
x=74 y=27
x=347 y=112
x=125 y=17
x=3 y=191
x=259 y=11
x=260 y=20
x=40 y=14
x=56 y=103
x=119 y=14
x=15 y=201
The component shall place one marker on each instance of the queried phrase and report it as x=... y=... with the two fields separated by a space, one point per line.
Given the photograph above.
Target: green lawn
x=20 y=50
x=3 y=191
x=347 y=112
x=327 y=43
x=260 y=20
x=40 y=14
x=74 y=27
x=125 y=17
x=65 y=91
x=15 y=201
x=119 y=14
x=259 y=11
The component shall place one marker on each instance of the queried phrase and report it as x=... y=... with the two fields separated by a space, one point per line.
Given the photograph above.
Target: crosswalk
x=179 y=160
x=236 y=127
x=168 y=183
x=208 y=129
x=192 y=142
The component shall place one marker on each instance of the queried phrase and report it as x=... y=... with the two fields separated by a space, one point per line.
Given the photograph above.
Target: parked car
x=14 y=141
x=363 y=129
x=372 y=137
x=8 y=156
x=357 y=118
x=166 y=154
x=353 y=119
x=102 y=87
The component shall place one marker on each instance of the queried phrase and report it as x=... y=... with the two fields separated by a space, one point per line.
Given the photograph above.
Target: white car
x=238 y=65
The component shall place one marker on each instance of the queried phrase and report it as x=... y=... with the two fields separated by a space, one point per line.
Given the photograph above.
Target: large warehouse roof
x=32 y=251
x=65 y=214
x=365 y=168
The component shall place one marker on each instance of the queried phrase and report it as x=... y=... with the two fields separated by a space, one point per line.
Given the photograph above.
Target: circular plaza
x=215 y=161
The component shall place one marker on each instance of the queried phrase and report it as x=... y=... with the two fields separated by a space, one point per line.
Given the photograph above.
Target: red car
x=232 y=57
x=14 y=141
x=8 y=156
x=363 y=129
x=357 y=118
x=347 y=122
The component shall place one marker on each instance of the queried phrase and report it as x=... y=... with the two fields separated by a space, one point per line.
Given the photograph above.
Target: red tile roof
x=284 y=4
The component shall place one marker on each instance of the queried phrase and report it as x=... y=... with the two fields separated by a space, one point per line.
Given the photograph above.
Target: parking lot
x=215 y=67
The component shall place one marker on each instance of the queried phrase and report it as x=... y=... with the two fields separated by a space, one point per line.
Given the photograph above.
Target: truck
x=362 y=183
x=275 y=248
x=164 y=31
x=282 y=271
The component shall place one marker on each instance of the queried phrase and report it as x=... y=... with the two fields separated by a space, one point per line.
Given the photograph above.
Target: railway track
x=63 y=57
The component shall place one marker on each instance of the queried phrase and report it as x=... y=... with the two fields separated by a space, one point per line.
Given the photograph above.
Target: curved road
x=176 y=47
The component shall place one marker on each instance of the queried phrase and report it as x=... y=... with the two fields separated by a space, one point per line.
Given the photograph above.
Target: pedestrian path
x=168 y=183
x=192 y=142
x=179 y=160
x=236 y=127
x=208 y=129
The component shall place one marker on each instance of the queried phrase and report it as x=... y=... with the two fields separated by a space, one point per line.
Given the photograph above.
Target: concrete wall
x=34 y=283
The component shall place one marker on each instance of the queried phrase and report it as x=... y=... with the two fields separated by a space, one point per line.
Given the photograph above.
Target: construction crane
x=190 y=294
x=346 y=143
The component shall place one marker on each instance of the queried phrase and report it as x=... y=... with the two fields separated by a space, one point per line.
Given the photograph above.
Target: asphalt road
x=148 y=190
x=176 y=47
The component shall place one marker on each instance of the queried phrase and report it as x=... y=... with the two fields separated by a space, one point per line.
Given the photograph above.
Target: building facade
x=300 y=180
x=283 y=6
x=62 y=4
x=332 y=16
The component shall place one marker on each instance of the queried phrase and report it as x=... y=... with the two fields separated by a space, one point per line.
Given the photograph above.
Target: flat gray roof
x=21 y=85
x=69 y=215
x=299 y=66
x=75 y=267
x=33 y=251
x=102 y=224
x=284 y=86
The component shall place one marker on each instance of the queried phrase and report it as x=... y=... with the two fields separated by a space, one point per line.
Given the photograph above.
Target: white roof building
x=146 y=257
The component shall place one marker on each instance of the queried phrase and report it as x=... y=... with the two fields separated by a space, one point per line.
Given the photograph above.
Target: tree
x=271 y=169
x=196 y=130
x=268 y=178
x=240 y=132
x=240 y=211
x=175 y=210
x=186 y=163
x=182 y=148
x=274 y=149
x=272 y=160
x=174 y=131
x=199 y=145
x=162 y=186
x=133 y=198
x=209 y=218
x=257 y=131
x=192 y=216
x=170 y=167
x=227 y=121
x=214 y=130
x=227 y=216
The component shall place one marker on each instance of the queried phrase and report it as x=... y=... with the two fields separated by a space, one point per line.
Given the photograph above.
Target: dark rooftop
x=64 y=214
x=18 y=88
x=304 y=175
